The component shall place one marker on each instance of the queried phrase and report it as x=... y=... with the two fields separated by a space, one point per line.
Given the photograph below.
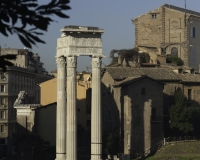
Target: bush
x=176 y=60
x=182 y=114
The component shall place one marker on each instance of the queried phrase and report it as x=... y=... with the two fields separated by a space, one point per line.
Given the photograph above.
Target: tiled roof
x=182 y=9
x=195 y=78
x=118 y=73
x=133 y=79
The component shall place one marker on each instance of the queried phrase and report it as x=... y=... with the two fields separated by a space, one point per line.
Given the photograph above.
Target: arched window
x=143 y=91
x=153 y=114
x=174 y=52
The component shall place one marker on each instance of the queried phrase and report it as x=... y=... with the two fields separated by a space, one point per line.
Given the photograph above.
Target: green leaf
x=60 y=14
x=65 y=7
x=24 y=41
x=9 y=56
x=5 y=18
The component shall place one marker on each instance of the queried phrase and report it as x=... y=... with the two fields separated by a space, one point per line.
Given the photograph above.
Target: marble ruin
x=77 y=41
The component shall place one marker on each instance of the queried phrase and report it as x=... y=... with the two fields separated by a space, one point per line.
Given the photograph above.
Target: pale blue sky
x=114 y=16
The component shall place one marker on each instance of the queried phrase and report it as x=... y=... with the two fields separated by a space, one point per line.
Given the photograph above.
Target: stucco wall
x=49 y=96
x=194 y=42
x=48 y=92
x=45 y=123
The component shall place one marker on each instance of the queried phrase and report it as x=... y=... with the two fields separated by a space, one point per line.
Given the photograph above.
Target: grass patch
x=177 y=151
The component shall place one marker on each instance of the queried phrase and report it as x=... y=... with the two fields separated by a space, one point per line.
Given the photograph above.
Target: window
x=153 y=16
x=2 y=101
x=143 y=91
x=2 y=88
x=2 y=128
x=153 y=114
x=174 y=52
x=189 y=94
x=193 y=32
x=2 y=114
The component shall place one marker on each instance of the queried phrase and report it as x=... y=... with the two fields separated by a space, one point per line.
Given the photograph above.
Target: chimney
x=139 y=60
x=119 y=59
x=124 y=64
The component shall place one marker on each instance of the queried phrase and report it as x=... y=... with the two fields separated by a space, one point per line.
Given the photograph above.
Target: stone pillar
x=71 y=150
x=61 y=109
x=96 y=135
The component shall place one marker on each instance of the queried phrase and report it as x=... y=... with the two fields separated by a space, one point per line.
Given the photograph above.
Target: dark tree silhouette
x=28 y=20
x=181 y=113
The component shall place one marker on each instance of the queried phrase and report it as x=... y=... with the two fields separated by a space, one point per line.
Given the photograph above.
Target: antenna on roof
x=185 y=13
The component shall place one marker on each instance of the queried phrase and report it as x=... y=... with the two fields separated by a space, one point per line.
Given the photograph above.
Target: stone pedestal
x=71 y=150
x=96 y=135
x=61 y=109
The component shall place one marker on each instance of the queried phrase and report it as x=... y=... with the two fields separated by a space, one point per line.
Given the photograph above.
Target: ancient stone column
x=61 y=109
x=96 y=135
x=71 y=150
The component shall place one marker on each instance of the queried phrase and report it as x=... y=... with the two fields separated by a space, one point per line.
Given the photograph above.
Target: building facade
x=169 y=30
x=26 y=74
x=136 y=104
x=130 y=107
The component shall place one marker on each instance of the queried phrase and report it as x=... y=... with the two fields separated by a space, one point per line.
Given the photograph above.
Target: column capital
x=61 y=62
x=96 y=61
x=71 y=61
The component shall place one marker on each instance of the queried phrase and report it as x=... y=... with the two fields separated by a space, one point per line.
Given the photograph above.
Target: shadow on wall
x=112 y=136
x=45 y=125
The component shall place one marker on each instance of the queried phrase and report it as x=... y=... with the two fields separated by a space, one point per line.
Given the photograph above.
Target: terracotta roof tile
x=155 y=73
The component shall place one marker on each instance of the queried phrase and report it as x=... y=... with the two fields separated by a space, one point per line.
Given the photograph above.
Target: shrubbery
x=182 y=115
x=176 y=60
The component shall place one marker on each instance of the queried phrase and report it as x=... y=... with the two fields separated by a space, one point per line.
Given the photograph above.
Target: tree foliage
x=28 y=19
x=4 y=61
x=173 y=59
x=181 y=114
x=131 y=54
x=17 y=15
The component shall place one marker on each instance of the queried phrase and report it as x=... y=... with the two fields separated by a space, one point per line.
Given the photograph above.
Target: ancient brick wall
x=139 y=125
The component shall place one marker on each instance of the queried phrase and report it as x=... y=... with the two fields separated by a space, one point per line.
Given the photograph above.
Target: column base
x=95 y=158
x=61 y=157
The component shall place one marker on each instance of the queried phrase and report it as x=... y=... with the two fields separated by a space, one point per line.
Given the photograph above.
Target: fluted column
x=71 y=150
x=96 y=135
x=61 y=109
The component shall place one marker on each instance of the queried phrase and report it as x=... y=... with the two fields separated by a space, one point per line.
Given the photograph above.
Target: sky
x=114 y=16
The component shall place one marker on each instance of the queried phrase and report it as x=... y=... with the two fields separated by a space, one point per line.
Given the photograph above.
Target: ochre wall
x=48 y=92
x=49 y=96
